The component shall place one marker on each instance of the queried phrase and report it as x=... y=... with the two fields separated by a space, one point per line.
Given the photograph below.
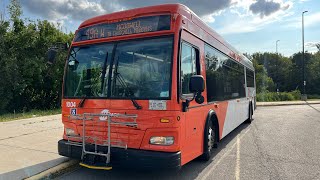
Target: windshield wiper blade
x=82 y=101
x=103 y=73
x=124 y=85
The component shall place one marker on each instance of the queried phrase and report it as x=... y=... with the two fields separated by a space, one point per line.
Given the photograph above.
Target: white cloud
x=311 y=44
x=247 y=19
x=309 y=20
x=268 y=7
x=61 y=10
x=83 y=9
x=247 y=22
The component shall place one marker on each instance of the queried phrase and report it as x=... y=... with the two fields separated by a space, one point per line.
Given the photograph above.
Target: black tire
x=249 y=120
x=209 y=144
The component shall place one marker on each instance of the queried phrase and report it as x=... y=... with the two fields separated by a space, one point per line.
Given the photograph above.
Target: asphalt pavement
x=283 y=142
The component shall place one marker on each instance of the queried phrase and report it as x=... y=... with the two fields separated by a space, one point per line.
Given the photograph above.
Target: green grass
x=284 y=96
x=313 y=99
x=30 y=114
x=281 y=96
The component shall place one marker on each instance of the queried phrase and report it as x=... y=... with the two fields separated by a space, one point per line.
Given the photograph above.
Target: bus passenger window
x=188 y=66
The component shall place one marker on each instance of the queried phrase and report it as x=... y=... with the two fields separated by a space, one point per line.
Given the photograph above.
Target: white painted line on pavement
x=237 y=171
x=206 y=175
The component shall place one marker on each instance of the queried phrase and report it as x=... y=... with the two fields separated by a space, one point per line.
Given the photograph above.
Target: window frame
x=240 y=65
x=248 y=75
x=112 y=61
x=197 y=64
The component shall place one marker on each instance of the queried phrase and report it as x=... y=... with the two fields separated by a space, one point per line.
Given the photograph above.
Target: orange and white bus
x=151 y=87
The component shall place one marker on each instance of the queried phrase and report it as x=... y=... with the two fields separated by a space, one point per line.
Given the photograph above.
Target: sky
x=249 y=25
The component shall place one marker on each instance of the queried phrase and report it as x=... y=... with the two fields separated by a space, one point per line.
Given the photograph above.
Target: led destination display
x=134 y=26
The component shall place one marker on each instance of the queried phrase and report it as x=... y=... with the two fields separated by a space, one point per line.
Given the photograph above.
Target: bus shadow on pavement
x=188 y=171
x=195 y=167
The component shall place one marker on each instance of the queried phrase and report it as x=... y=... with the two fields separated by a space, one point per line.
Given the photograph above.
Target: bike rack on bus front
x=107 y=143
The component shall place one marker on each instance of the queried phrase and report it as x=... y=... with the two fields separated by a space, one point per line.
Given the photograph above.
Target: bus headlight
x=162 y=140
x=70 y=132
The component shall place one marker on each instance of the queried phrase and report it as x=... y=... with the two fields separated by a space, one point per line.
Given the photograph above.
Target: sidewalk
x=29 y=146
x=285 y=103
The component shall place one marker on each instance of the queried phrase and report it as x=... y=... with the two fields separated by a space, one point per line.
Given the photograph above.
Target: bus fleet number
x=71 y=104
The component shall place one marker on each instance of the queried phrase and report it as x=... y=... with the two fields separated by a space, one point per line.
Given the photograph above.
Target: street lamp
x=304 y=96
x=277 y=84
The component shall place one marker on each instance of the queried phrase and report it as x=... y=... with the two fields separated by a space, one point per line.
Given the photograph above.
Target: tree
x=263 y=82
x=277 y=68
x=296 y=73
x=313 y=74
x=318 y=46
x=27 y=82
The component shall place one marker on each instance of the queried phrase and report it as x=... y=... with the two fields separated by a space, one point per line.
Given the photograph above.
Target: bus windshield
x=139 y=69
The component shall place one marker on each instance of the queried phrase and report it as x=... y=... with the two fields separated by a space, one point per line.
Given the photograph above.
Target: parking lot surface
x=283 y=142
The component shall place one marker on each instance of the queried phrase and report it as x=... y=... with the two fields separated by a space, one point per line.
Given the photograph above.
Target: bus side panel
x=236 y=113
x=192 y=145
x=195 y=117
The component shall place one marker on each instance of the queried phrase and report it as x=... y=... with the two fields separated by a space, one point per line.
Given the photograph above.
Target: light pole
x=277 y=66
x=304 y=96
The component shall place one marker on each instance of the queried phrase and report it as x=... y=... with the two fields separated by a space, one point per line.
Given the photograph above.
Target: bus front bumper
x=127 y=158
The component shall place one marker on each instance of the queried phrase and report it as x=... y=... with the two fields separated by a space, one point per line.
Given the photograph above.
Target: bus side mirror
x=51 y=55
x=52 y=52
x=196 y=84
x=66 y=46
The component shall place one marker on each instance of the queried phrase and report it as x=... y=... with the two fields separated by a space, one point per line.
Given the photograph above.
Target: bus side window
x=188 y=59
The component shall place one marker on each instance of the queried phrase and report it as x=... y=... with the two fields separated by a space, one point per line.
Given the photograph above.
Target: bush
x=281 y=96
x=313 y=96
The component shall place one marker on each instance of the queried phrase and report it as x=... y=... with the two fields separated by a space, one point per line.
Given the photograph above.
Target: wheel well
x=251 y=107
x=213 y=117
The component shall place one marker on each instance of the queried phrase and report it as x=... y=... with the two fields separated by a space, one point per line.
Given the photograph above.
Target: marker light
x=70 y=132
x=161 y=140
x=164 y=120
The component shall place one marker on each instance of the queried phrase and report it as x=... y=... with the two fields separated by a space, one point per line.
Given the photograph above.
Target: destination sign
x=134 y=26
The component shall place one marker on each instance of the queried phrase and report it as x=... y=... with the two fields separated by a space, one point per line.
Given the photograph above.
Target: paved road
x=29 y=146
x=282 y=143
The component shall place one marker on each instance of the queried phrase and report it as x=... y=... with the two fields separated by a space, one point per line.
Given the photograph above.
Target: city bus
x=151 y=87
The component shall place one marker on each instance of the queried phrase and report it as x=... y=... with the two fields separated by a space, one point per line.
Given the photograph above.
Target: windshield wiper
x=125 y=86
x=103 y=73
x=82 y=101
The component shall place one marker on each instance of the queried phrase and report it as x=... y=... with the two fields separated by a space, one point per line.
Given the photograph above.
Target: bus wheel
x=209 y=141
x=249 y=120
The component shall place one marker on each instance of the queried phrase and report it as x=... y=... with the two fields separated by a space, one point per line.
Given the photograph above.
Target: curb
x=287 y=104
x=54 y=171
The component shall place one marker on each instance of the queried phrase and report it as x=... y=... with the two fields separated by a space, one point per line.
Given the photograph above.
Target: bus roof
x=170 y=9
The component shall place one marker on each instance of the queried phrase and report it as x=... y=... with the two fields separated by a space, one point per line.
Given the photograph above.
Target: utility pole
x=277 y=66
x=304 y=96
x=277 y=46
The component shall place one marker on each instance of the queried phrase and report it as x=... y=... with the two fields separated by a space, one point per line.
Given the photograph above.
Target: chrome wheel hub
x=210 y=139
